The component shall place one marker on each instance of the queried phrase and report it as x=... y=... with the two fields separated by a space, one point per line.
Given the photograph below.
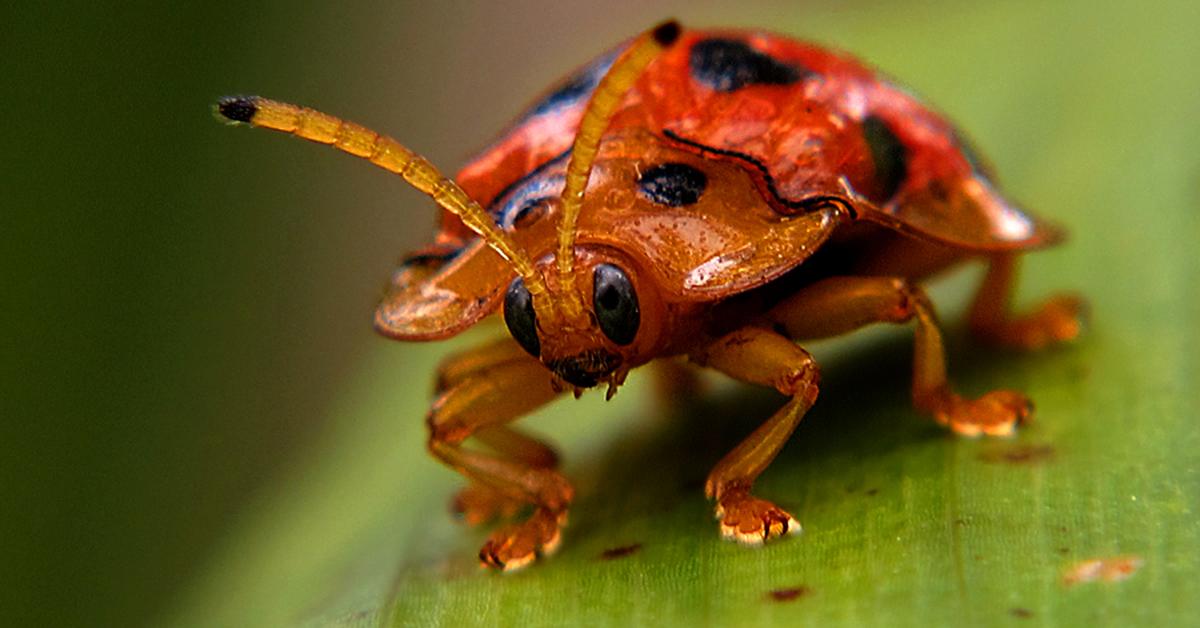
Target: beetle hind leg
x=762 y=357
x=842 y=304
x=1058 y=319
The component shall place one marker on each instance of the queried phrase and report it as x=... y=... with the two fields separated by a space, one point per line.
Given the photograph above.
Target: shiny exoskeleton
x=710 y=195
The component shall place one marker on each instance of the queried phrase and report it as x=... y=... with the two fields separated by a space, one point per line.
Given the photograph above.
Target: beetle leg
x=479 y=503
x=467 y=364
x=759 y=356
x=1058 y=319
x=479 y=406
x=841 y=304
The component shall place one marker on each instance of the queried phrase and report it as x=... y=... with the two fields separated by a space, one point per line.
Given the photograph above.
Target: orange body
x=716 y=195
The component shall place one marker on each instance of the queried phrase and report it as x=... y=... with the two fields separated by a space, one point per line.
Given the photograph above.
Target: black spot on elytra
x=673 y=184
x=728 y=65
x=888 y=154
x=237 y=108
x=575 y=88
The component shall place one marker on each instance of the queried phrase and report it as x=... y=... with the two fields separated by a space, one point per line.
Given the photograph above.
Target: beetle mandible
x=712 y=195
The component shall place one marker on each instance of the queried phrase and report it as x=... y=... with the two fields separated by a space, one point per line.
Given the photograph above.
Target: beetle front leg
x=1058 y=319
x=475 y=362
x=762 y=357
x=841 y=304
x=478 y=503
x=478 y=406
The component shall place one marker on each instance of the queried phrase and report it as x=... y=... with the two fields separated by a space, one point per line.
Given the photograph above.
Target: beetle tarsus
x=750 y=520
x=514 y=547
x=998 y=413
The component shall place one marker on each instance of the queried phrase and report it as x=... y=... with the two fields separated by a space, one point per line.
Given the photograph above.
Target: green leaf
x=904 y=524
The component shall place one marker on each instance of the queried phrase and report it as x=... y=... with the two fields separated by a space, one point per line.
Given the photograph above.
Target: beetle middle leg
x=841 y=304
x=479 y=405
x=759 y=356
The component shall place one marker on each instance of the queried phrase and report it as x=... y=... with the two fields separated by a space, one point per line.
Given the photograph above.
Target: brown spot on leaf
x=1021 y=454
x=871 y=492
x=1112 y=569
x=1023 y=613
x=789 y=594
x=620 y=552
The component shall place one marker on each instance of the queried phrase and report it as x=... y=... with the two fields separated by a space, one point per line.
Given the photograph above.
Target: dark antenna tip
x=237 y=108
x=667 y=32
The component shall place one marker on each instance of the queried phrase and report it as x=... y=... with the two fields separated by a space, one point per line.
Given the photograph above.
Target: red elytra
x=807 y=133
x=713 y=195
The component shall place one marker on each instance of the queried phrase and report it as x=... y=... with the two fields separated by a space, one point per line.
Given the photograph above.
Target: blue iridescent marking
x=575 y=88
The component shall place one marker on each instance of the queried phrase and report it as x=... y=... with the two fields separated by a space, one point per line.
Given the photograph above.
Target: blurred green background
x=201 y=429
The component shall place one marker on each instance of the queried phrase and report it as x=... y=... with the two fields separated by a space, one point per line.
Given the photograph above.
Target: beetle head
x=605 y=336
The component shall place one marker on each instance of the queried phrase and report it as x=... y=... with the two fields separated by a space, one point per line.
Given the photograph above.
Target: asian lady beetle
x=716 y=195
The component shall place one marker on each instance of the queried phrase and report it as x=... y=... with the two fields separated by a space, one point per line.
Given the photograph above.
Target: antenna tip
x=237 y=108
x=666 y=33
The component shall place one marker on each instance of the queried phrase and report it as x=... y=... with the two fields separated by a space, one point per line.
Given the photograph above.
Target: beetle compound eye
x=520 y=317
x=616 y=304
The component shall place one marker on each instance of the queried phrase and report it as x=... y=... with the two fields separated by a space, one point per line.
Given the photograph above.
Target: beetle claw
x=753 y=521
x=995 y=414
x=514 y=547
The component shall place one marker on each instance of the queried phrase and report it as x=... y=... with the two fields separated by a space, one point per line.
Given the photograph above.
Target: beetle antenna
x=390 y=155
x=596 y=117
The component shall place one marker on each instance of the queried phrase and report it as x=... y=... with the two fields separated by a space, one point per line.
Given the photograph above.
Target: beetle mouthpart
x=585 y=369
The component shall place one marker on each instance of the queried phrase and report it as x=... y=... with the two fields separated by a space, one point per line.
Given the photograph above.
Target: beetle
x=714 y=195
